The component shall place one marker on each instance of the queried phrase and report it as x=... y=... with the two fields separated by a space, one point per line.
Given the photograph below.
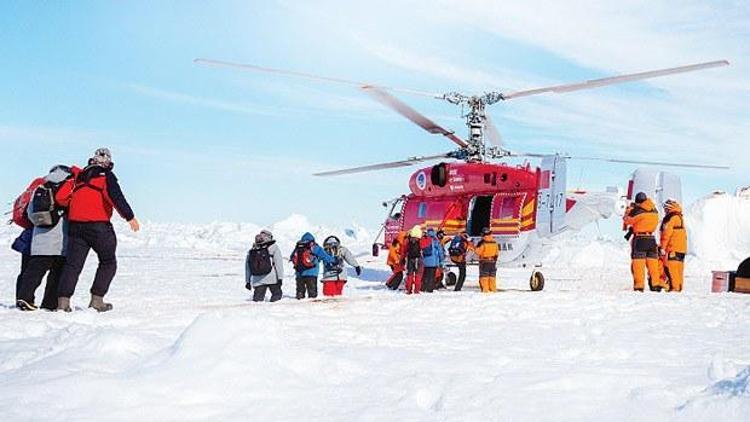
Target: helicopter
x=472 y=187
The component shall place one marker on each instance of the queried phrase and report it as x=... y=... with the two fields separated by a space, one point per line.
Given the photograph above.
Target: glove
x=358 y=270
x=662 y=252
x=249 y=286
x=278 y=282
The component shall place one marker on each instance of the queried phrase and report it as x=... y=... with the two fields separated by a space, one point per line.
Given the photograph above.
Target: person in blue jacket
x=433 y=256
x=306 y=259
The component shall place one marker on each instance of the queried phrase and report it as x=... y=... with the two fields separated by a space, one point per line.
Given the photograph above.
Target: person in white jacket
x=334 y=275
x=264 y=267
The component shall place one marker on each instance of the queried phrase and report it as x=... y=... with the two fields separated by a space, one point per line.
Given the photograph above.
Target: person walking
x=264 y=267
x=48 y=243
x=90 y=197
x=306 y=258
x=334 y=275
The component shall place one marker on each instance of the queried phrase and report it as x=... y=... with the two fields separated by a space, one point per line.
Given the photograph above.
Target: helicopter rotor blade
x=596 y=83
x=393 y=164
x=416 y=117
x=490 y=130
x=620 y=161
x=310 y=76
x=653 y=163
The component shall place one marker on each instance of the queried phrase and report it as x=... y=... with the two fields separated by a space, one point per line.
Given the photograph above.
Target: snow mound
x=719 y=229
x=731 y=396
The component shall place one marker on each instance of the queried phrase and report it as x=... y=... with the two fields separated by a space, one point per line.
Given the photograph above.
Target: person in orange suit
x=642 y=219
x=396 y=261
x=673 y=245
x=487 y=251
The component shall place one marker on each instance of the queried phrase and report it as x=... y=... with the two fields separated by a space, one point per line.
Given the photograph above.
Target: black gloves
x=358 y=270
x=249 y=286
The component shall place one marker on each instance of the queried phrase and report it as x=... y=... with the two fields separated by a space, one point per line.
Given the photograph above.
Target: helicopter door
x=479 y=214
x=551 y=201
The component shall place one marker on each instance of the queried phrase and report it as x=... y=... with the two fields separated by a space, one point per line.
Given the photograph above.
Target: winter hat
x=332 y=241
x=263 y=237
x=58 y=174
x=415 y=231
x=640 y=198
x=486 y=231
x=440 y=234
x=102 y=157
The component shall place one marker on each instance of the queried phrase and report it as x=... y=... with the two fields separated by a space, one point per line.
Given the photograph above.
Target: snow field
x=185 y=343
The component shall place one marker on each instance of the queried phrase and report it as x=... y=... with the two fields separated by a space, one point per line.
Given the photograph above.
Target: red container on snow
x=721 y=281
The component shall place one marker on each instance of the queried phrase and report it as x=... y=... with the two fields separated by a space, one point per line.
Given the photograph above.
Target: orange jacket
x=394 y=255
x=394 y=250
x=673 y=233
x=643 y=217
x=487 y=250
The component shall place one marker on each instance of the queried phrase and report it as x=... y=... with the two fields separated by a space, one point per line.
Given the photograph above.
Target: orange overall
x=673 y=245
x=487 y=252
x=643 y=219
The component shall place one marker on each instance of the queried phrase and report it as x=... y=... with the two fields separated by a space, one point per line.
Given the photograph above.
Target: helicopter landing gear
x=536 y=282
x=450 y=279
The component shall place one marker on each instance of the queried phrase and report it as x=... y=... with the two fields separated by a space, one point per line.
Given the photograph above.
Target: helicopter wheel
x=450 y=279
x=537 y=281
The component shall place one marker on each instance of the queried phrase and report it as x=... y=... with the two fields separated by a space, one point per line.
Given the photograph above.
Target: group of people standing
x=421 y=258
x=65 y=214
x=264 y=267
x=663 y=261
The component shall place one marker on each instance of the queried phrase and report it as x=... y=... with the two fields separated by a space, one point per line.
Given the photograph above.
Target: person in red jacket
x=91 y=196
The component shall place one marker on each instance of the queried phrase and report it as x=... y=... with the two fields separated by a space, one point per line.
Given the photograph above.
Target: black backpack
x=260 y=261
x=43 y=211
x=413 y=251
x=457 y=246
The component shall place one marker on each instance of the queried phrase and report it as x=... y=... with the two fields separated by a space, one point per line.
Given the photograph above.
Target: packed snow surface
x=185 y=343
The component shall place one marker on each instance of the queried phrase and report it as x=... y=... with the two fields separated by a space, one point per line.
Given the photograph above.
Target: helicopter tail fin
x=551 y=199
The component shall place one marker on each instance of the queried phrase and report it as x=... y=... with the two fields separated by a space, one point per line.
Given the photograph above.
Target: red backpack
x=303 y=258
x=21 y=204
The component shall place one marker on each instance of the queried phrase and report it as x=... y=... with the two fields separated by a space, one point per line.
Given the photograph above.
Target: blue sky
x=198 y=144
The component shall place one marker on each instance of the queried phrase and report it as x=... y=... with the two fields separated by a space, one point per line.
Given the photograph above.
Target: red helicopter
x=473 y=192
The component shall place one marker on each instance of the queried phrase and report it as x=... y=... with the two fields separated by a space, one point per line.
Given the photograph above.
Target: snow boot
x=97 y=302
x=63 y=304
x=25 y=306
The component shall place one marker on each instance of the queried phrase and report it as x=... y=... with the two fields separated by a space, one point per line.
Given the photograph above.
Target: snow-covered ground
x=185 y=343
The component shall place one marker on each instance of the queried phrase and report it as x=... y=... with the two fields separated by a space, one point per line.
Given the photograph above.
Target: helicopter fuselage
x=469 y=196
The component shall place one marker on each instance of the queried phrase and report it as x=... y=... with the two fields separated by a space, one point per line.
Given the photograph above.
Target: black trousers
x=259 y=293
x=82 y=237
x=461 y=276
x=428 y=279
x=24 y=264
x=307 y=284
x=32 y=277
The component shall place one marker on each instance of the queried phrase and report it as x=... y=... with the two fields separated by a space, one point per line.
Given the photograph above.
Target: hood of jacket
x=647 y=205
x=308 y=237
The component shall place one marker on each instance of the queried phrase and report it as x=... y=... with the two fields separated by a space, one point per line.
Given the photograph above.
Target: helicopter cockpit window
x=422 y=210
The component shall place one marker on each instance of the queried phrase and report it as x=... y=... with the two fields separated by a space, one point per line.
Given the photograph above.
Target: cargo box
x=722 y=281
x=741 y=285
